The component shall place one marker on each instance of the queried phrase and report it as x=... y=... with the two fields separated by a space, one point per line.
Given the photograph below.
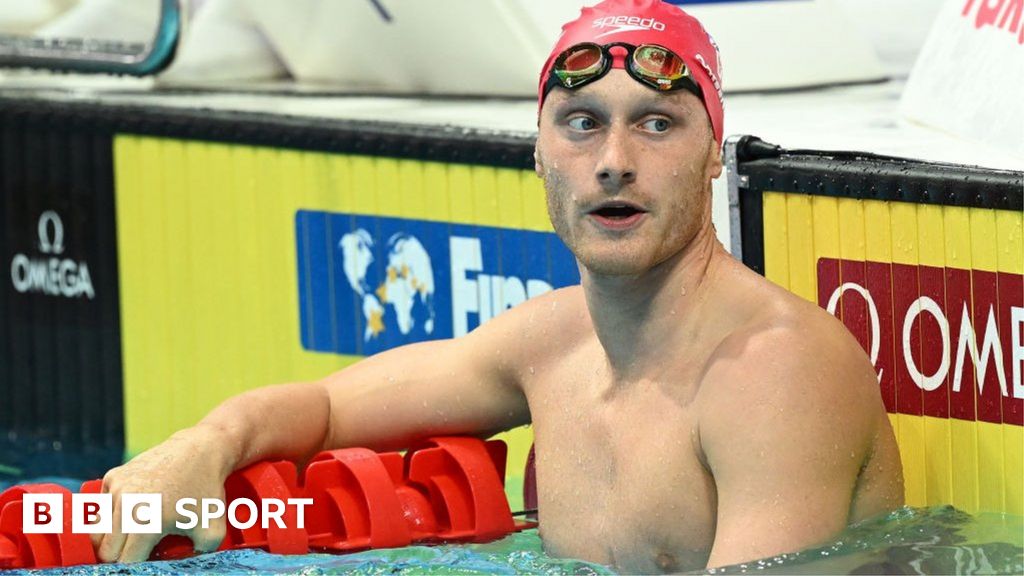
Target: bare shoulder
x=791 y=426
x=564 y=308
x=544 y=328
x=795 y=370
x=799 y=344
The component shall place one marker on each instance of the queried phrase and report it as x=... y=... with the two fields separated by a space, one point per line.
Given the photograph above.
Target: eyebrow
x=654 y=100
x=675 y=100
x=576 y=97
x=575 y=100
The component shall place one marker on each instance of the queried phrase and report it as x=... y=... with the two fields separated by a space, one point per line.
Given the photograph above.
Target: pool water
x=516 y=554
x=938 y=540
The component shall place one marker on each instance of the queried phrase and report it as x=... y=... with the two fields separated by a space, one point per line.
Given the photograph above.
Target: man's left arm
x=785 y=432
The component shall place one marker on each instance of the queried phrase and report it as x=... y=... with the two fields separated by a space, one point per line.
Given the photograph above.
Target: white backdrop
x=765 y=44
x=969 y=80
x=495 y=46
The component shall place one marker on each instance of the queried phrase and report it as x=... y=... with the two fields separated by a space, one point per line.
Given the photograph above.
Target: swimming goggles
x=649 y=64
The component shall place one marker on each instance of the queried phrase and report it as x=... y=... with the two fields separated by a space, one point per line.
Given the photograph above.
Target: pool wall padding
x=216 y=288
x=214 y=243
x=208 y=211
x=930 y=260
x=60 y=353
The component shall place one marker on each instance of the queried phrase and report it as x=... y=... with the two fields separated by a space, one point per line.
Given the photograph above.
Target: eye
x=657 y=124
x=583 y=123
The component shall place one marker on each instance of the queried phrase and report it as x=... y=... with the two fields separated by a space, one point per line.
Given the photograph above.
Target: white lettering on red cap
x=627 y=24
x=711 y=73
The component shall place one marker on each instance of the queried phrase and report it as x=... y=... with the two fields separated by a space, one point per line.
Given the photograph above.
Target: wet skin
x=687 y=412
x=710 y=416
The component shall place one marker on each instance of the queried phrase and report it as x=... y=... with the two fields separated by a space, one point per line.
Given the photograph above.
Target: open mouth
x=617 y=211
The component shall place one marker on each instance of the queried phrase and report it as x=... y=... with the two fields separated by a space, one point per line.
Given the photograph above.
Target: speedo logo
x=627 y=24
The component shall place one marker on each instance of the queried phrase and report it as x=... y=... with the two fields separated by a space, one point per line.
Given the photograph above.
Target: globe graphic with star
x=408 y=278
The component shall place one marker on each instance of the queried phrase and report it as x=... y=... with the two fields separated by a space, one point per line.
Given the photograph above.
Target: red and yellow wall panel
x=934 y=294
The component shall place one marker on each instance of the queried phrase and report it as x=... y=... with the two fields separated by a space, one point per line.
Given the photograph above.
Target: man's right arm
x=385 y=402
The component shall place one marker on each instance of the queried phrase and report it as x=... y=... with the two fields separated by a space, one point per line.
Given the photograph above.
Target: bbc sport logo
x=369 y=283
x=142 y=513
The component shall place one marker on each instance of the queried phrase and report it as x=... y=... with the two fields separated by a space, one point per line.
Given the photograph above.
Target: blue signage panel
x=367 y=283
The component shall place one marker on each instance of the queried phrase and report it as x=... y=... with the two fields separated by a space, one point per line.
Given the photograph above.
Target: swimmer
x=686 y=411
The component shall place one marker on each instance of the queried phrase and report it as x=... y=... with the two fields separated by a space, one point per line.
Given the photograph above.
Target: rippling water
x=940 y=540
x=517 y=554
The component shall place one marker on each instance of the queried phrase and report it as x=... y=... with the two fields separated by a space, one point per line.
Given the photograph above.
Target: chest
x=619 y=480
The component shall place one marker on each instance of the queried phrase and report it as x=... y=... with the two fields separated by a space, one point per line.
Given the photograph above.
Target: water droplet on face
x=531 y=370
x=675 y=173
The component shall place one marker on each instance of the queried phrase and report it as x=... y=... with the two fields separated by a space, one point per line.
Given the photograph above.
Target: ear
x=713 y=167
x=538 y=165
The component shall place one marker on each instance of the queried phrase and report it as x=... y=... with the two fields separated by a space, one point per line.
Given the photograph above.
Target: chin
x=621 y=263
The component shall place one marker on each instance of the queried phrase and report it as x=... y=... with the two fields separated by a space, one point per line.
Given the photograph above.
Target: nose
x=615 y=167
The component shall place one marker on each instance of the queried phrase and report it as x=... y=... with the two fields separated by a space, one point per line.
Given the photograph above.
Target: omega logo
x=53 y=276
x=51 y=244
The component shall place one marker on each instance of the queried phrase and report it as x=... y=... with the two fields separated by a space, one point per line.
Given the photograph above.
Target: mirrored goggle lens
x=659 y=65
x=579 y=63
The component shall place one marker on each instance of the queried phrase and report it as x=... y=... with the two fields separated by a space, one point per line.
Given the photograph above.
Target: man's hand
x=193 y=463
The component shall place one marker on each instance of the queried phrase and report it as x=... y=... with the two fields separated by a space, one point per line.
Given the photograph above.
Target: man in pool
x=686 y=412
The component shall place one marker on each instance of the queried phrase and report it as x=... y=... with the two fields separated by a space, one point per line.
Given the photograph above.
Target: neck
x=639 y=319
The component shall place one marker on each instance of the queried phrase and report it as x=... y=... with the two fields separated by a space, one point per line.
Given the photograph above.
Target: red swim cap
x=649 y=22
